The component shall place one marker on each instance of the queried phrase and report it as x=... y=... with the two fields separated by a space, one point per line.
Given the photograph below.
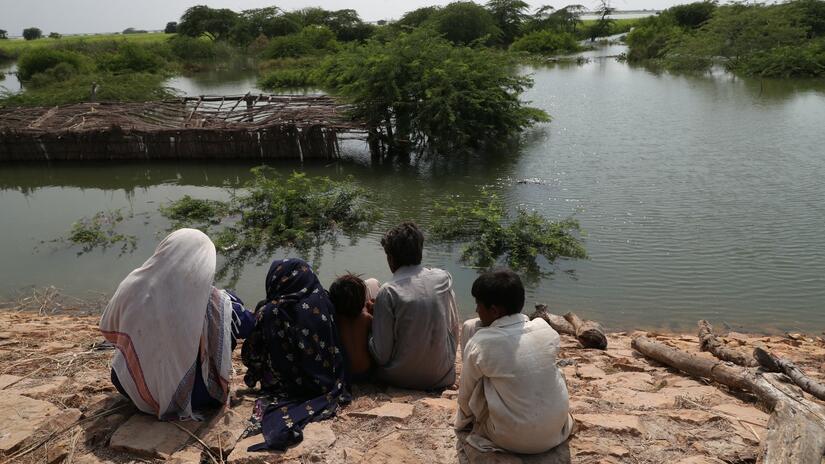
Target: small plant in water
x=99 y=231
x=493 y=235
x=271 y=212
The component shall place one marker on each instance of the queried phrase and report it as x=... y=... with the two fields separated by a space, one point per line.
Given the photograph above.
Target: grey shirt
x=415 y=329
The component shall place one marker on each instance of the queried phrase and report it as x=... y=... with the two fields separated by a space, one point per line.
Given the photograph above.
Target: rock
x=103 y=402
x=89 y=459
x=144 y=435
x=589 y=372
x=691 y=416
x=57 y=347
x=318 y=438
x=440 y=403
x=32 y=387
x=450 y=394
x=20 y=417
x=100 y=429
x=223 y=431
x=189 y=455
x=704 y=395
x=640 y=381
x=390 y=451
x=598 y=447
x=628 y=365
x=353 y=456
x=394 y=411
x=637 y=399
x=699 y=460
x=745 y=413
x=616 y=423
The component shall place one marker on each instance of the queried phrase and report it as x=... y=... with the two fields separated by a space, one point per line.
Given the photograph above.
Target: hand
x=370 y=305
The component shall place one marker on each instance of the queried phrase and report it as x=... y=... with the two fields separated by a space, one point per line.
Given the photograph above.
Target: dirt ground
x=57 y=405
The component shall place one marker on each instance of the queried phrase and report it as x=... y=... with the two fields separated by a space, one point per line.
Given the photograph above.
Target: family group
x=304 y=346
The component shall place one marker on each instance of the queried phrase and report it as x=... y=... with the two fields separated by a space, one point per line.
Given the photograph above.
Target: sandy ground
x=57 y=405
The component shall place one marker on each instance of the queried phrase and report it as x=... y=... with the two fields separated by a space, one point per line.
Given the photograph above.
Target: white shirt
x=510 y=388
x=415 y=329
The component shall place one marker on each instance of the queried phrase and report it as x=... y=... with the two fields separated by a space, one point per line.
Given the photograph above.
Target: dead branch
x=772 y=363
x=589 y=333
x=796 y=428
x=556 y=322
x=711 y=344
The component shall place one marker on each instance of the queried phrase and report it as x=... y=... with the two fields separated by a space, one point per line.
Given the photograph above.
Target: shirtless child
x=352 y=297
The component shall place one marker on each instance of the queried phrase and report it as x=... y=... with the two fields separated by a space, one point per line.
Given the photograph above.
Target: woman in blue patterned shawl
x=295 y=354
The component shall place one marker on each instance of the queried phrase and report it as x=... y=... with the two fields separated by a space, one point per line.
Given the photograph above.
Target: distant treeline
x=778 y=40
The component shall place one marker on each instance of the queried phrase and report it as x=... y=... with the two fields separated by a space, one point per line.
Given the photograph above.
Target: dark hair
x=405 y=243
x=348 y=294
x=501 y=287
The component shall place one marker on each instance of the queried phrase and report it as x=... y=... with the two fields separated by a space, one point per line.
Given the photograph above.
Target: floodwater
x=701 y=197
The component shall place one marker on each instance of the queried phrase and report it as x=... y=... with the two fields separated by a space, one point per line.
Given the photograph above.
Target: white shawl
x=161 y=317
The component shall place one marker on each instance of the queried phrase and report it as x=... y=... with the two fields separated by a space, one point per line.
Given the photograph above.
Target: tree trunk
x=589 y=333
x=557 y=322
x=796 y=428
x=772 y=363
x=711 y=344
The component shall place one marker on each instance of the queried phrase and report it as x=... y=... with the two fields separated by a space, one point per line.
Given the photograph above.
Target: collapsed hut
x=206 y=127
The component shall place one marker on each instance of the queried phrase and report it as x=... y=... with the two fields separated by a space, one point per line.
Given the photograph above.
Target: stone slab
x=440 y=403
x=616 y=423
x=393 y=411
x=32 y=387
x=225 y=429
x=144 y=435
x=390 y=451
x=318 y=438
x=20 y=417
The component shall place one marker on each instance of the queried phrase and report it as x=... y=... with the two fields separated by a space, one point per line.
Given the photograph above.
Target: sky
x=93 y=16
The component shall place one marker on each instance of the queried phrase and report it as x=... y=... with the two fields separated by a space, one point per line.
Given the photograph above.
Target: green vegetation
x=494 y=235
x=779 y=40
x=419 y=90
x=110 y=87
x=99 y=232
x=547 y=43
x=271 y=212
x=32 y=33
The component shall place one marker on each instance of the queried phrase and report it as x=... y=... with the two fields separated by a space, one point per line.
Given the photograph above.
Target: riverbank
x=58 y=405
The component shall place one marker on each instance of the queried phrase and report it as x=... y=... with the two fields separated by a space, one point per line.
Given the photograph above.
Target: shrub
x=311 y=40
x=121 y=87
x=287 y=78
x=32 y=33
x=199 y=49
x=546 y=43
x=131 y=57
x=41 y=59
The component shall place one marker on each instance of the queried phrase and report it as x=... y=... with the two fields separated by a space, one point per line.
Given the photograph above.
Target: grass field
x=13 y=47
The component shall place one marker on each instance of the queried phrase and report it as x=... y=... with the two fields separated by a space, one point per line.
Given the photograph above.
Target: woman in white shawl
x=174 y=331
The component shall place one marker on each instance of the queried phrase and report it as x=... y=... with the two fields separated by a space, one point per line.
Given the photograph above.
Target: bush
x=465 y=22
x=41 y=59
x=494 y=235
x=58 y=73
x=787 y=61
x=199 y=49
x=546 y=43
x=311 y=40
x=131 y=57
x=32 y=33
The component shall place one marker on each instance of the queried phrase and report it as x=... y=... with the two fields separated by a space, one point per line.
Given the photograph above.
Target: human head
x=348 y=294
x=498 y=293
x=404 y=245
x=290 y=278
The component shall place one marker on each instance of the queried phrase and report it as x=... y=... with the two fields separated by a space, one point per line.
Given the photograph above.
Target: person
x=352 y=298
x=174 y=332
x=295 y=354
x=415 y=319
x=510 y=391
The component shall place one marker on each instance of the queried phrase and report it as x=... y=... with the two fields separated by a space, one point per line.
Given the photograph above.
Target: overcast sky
x=89 y=16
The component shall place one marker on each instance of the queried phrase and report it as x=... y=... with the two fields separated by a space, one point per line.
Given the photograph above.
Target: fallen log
x=556 y=322
x=711 y=344
x=772 y=363
x=796 y=427
x=590 y=334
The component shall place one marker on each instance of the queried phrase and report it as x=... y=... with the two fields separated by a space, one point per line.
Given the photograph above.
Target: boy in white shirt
x=510 y=391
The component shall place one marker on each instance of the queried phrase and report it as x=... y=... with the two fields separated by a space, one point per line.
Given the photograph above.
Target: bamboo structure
x=206 y=127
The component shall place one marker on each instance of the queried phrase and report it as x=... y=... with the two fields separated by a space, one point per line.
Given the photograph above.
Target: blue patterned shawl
x=295 y=354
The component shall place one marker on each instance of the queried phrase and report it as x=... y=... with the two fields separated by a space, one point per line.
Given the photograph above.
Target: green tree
x=171 y=27
x=202 y=20
x=54 y=35
x=510 y=16
x=416 y=18
x=419 y=90
x=4 y=34
x=602 y=26
x=465 y=22
x=269 y=22
x=566 y=19
x=32 y=33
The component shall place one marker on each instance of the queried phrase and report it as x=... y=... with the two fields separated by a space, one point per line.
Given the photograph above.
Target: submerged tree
x=493 y=235
x=418 y=90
